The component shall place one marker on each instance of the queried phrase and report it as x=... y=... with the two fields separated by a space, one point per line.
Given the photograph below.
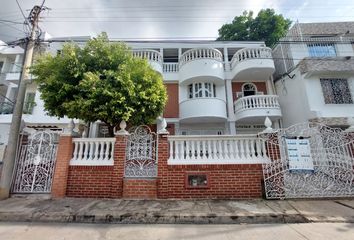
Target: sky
x=158 y=19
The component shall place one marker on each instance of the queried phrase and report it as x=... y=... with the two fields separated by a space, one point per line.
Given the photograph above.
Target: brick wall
x=239 y=181
x=139 y=188
x=60 y=178
x=90 y=181
x=172 y=105
x=225 y=181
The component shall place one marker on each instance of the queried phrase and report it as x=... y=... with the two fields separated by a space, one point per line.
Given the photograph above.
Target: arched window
x=249 y=89
x=199 y=90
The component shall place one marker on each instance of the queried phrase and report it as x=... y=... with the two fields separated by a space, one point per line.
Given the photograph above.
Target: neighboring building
x=11 y=60
x=314 y=75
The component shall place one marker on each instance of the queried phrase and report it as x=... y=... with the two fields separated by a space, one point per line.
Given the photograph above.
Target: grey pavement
x=74 y=231
x=83 y=210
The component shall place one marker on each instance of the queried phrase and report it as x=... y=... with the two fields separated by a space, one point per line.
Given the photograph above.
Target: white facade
x=314 y=76
x=208 y=76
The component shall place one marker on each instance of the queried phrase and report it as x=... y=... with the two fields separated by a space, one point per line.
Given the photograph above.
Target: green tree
x=100 y=81
x=267 y=26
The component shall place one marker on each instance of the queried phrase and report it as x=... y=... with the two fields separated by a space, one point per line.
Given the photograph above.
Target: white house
x=214 y=87
x=314 y=76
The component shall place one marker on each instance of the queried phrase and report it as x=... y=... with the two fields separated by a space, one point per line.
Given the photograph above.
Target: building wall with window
x=316 y=83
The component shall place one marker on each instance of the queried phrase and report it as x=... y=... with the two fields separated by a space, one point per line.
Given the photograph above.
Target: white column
x=229 y=99
x=232 y=127
x=270 y=86
x=161 y=52
x=226 y=60
x=177 y=129
x=179 y=53
x=17 y=64
x=93 y=130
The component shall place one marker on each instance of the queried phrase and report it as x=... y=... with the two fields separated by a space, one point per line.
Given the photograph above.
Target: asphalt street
x=75 y=231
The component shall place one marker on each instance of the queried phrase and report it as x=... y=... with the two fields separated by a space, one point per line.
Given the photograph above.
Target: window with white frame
x=322 y=50
x=336 y=91
x=199 y=90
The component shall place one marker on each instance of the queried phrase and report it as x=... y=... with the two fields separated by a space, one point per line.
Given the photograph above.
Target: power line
x=26 y=20
x=9 y=21
x=10 y=26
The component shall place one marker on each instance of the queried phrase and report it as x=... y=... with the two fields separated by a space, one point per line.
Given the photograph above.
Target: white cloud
x=161 y=18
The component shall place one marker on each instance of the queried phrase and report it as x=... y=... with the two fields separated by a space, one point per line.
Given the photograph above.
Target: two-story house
x=314 y=76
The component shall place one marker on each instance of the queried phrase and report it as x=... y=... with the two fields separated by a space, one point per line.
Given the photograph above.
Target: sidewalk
x=38 y=209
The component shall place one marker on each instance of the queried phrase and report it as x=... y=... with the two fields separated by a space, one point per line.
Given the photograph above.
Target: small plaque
x=197 y=180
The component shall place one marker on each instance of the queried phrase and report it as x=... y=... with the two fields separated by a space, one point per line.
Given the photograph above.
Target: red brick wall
x=90 y=181
x=172 y=105
x=60 y=178
x=240 y=181
x=225 y=181
x=139 y=188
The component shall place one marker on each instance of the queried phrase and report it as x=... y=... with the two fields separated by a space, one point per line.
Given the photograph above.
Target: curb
x=154 y=218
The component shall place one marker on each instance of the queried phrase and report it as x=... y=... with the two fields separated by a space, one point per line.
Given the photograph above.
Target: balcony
x=154 y=58
x=254 y=109
x=252 y=63
x=198 y=110
x=201 y=64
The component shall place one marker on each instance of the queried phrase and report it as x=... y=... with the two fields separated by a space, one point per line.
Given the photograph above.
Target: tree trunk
x=110 y=130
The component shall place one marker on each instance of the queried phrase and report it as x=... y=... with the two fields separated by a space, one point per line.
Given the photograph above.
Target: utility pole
x=10 y=153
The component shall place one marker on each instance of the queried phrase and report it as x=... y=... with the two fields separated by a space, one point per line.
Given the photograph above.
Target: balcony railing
x=251 y=53
x=240 y=149
x=170 y=67
x=93 y=151
x=200 y=53
x=150 y=55
x=256 y=102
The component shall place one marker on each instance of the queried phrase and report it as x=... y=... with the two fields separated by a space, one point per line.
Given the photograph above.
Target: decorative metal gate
x=309 y=161
x=141 y=153
x=35 y=164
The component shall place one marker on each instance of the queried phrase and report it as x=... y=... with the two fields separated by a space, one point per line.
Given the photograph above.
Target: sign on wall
x=299 y=154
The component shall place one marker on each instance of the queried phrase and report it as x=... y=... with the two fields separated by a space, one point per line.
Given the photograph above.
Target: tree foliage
x=100 y=81
x=267 y=26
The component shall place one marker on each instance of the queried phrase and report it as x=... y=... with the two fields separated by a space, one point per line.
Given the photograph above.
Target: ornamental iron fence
x=141 y=153
x=35 y=163
x=309 y=161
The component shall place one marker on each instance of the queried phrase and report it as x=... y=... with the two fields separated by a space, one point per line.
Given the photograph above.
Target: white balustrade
x=256 y=102
x=93 y=151
x=170 y=67
x=200 y=53
x=251 y=53
x=150 y=55
x=240 y=149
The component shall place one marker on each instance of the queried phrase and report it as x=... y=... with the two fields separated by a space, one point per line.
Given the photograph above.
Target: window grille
x=336 y=91
x=199 y=90
x=322 y=50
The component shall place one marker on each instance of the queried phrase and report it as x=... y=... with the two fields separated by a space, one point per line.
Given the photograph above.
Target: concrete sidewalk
x=36 y=209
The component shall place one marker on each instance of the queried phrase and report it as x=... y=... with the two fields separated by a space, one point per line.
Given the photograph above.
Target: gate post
x=64 y=155
x=118 y=167
x=162 y=166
